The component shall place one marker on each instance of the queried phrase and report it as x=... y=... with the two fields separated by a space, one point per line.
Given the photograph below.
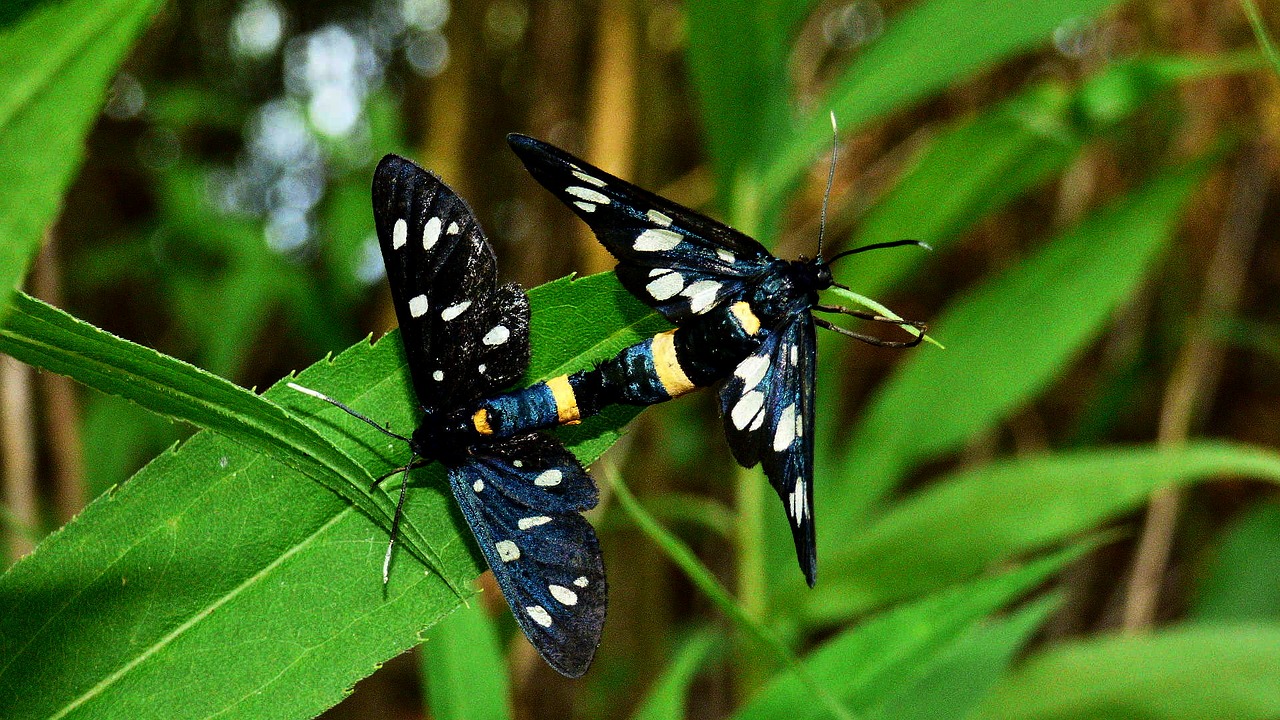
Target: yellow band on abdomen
x=673 y=379
x=566 y=402
x=747 y=319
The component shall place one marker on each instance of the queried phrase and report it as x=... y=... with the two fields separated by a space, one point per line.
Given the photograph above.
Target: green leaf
x=932 y=44
x=56 y=60
x=43 y=336
x=1260 y=32
x=1195 y=672
x=872 y=662
x=463 y=668
x=218 y=581
x=669 y=695
x=962 y=675
x=1007 y=340
x=975 y=519
x=1240 y=580
x=745 y=106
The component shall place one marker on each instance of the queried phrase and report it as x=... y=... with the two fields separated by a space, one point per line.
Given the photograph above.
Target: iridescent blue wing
x=464 y=336
x=523 y=497
x=768 y=418
x=674 y=259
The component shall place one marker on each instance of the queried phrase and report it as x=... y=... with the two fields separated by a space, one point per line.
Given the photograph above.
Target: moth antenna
x=353 y=413
x=880 y=246
x=831 y=176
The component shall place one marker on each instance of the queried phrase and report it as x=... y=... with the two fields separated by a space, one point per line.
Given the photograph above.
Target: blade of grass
x=930 y=45
x=1195 y=671
x=56 y=61
x=979 y=518
x=1007 y=340
x=667 y=698
x=963 y=674
x=1238 y=583
x=701 y=577
x=1260 y=32
x=871 y=662
x=463 y=668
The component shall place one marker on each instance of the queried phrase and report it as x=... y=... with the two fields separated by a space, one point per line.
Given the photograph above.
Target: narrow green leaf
x=683 y=557
x=41 y=335
x=1007 y=340
x=1194 y=672
x=128 y=610
x=867 y=664
x=745 y=105
x=1239 y=583
x=463 y=668
x=983 y=163
x=975 y=519
x=962 y=675
x=56 y=60
x=1260 y=32
x=669 y=695
x=932 y=44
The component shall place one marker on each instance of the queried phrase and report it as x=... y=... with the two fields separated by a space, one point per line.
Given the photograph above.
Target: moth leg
x=871 y=340
x=395 y=520
x=414 y=464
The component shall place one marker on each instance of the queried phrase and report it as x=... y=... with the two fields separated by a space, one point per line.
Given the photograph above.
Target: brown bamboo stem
x=1195 y=380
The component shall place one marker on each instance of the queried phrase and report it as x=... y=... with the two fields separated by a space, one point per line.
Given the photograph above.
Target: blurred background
x=1100 y=194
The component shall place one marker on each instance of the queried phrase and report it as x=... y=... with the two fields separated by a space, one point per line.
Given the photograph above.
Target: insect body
x=743 y=319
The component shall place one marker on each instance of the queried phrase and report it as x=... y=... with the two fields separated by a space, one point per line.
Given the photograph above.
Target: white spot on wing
x=481 y=368
x=539 y=615
x=454 y=311
x=399 y=234
x=588 y=179
x=748 y=408
x=795 y=354
x=437 y=375
x=798 y=501
x=478 y=486
x=725 y=255
x=581 y=581
x=786 y=431
x=453 y=228
x=531 y=522
x=654 y=240
x=496 y=336
x=752 y=370
x=586 y=206
x=518 y=463
x=563 y=595
x=507 y=550
x=418 y=306
x=588 y=194
x=702 y=295
x=431 y=233
x=666 y=286
x=549 y=478
x=659 y=218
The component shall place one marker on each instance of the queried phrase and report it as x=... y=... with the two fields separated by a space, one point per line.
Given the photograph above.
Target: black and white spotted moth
x=744 y=320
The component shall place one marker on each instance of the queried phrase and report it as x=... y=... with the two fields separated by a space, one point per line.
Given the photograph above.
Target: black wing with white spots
x=523 y=497
x=464 y=336
x=768 y=418
x=674 y=259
